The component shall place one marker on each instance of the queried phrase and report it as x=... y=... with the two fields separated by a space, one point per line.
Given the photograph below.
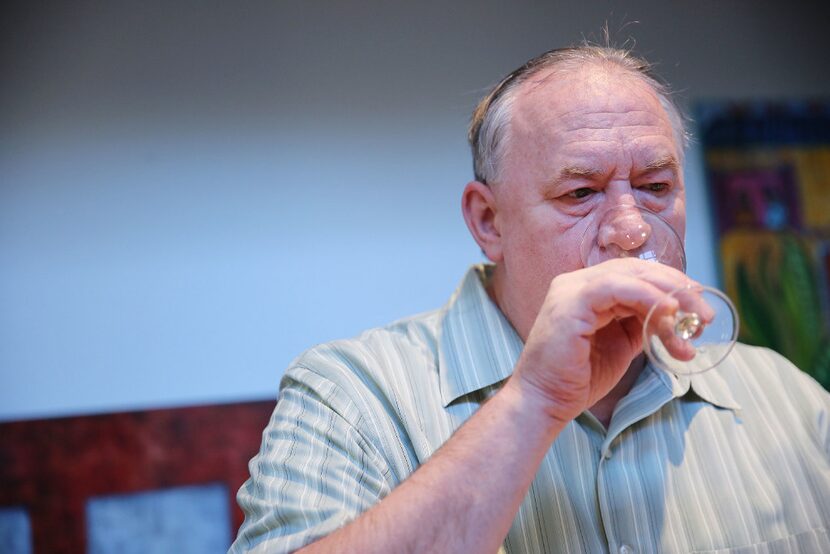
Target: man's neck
x=604 y=409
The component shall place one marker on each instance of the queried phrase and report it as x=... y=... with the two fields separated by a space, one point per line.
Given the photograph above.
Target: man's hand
x=589 y=330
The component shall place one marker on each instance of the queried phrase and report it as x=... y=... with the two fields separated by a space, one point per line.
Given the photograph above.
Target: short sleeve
x=316 y=470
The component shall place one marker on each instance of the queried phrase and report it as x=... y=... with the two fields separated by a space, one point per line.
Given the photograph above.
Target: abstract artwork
x=768 y=173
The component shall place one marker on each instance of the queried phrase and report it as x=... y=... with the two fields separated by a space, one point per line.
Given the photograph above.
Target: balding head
x=490 y=126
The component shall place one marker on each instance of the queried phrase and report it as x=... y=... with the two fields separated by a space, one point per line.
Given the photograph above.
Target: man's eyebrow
x=668 y=162
x=664 y=162
x=575 y=171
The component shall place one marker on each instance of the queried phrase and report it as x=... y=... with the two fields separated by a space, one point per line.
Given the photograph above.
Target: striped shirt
x=733 y=460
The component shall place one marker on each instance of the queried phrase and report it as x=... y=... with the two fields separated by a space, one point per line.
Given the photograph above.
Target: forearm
x=466 y=496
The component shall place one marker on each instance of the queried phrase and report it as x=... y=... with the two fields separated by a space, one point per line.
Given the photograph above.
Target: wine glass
x=690 y=330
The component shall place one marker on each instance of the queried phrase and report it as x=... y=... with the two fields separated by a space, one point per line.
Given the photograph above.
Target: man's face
x=578 y=143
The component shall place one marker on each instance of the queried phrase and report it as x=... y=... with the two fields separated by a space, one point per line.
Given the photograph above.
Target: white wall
x=190 y=195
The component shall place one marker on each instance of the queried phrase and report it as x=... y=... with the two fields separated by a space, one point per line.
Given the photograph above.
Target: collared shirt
x=733 y=460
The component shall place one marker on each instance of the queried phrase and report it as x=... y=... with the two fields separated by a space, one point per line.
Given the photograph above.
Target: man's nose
x=623 y=227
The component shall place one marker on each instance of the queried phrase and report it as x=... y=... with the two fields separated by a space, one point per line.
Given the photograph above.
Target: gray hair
x=490 y=121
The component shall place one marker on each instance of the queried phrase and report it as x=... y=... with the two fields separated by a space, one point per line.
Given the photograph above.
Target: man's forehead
x=619 y=118
x=590 y=97
x=589 y=114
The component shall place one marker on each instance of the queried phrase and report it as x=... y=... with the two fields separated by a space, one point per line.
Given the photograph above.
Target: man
x=522 y=415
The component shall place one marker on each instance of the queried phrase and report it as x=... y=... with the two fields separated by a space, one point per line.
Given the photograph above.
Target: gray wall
x=193 y=193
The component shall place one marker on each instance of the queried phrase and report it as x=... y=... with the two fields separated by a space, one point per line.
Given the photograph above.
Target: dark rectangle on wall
x=52 y=467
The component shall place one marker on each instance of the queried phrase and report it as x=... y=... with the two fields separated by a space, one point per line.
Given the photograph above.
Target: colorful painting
x=768 y=170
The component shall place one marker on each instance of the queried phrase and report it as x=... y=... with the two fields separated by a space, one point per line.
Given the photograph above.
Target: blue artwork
x=15 y=531
x=185 y=520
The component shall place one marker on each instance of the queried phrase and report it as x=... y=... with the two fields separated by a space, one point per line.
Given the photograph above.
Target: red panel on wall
x=52 y=466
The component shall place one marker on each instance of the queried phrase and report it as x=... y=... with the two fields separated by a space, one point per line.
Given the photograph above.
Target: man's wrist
x=535 y=408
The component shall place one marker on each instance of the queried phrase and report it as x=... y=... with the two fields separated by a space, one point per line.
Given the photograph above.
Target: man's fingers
x=664 y=277
x=663 y=326
x=692 y=301
x=675 y=320
x=623 y=296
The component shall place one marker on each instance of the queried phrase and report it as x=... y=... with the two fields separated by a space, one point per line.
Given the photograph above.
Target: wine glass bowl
x=630 y=231
x=692 y=328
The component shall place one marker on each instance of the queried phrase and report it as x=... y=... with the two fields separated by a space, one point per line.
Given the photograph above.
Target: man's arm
x=465 y=497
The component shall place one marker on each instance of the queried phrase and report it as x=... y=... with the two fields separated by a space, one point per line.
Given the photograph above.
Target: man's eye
x=656 y=187
x=580 y=193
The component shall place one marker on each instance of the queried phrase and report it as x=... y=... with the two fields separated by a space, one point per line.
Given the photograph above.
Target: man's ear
x=479 y=207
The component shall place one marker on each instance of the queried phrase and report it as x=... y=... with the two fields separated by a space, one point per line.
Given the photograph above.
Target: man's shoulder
x=378 y=354
x=763 y=363
x=762 y=375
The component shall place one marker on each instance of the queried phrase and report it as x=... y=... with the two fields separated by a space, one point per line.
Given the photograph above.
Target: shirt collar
x=709 y=386
x=478 y=346
x=712 y=387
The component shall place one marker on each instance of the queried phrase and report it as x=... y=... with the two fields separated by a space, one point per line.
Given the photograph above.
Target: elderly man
x=522 y=415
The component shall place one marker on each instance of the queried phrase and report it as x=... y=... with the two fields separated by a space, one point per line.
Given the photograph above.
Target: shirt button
x=625 y=549
x=606 y=454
